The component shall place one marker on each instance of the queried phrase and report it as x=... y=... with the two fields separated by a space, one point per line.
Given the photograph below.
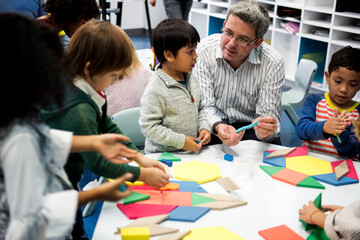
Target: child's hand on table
x=204 y=137
x=191 y=144
x=153 y=177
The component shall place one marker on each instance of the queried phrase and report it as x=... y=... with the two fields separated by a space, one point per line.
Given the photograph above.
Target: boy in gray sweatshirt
x=172 y=114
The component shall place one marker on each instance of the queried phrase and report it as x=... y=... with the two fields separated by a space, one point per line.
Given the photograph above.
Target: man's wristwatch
x=215 y=124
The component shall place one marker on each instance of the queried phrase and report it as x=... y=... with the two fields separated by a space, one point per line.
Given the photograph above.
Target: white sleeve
x=62 y=141
x=62 y=209
x=344 y=223
x=32 y=213
x=24 y=185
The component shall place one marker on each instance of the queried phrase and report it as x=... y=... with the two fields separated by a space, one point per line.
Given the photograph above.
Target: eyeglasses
x=239 y=40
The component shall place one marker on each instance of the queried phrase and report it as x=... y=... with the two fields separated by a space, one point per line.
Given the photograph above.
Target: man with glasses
x=241 y=77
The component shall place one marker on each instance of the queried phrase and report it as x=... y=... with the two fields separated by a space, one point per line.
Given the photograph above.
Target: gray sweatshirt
x=170 y=112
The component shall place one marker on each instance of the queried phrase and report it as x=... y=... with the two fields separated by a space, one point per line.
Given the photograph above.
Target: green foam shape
x=311 y=183
x=135 y=197
x=318 y=234
x=271 y=170
x=317 y=203
x=169 y=156
x=198 y=199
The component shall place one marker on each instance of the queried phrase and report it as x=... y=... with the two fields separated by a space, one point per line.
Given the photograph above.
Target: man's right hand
x=227 y=134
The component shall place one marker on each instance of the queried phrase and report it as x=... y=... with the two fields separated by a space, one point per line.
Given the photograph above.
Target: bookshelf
x=325 y=26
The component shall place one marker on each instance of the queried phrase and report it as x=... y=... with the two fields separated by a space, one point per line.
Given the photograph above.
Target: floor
x=288 y=138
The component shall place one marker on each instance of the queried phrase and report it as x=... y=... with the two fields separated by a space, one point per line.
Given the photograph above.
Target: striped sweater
x=317 y=109
x=253 y=90
x=344 y=223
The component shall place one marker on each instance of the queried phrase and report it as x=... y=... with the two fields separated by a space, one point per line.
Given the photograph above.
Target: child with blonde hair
x=97 y=55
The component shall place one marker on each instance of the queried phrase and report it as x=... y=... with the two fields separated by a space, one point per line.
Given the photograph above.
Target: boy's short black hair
x=347 y=57
x=173 y=34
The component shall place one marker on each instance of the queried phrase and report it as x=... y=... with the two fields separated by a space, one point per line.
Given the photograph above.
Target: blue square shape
x=278 y=161
x=167 y=162
x=189 y=186
x=187 y=213
x=330 y=178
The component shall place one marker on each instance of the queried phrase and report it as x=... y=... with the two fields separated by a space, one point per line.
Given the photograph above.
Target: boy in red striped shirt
x=321 y=126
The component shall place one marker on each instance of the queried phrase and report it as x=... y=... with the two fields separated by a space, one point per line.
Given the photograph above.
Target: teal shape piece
x=198 y=199
x=169 y=156
x=318 y=234
x=271 y=170
x=310 y=182
x=135 y=197
x=317 y=203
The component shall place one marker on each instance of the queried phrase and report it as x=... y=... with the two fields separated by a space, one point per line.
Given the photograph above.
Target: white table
x=270 y=202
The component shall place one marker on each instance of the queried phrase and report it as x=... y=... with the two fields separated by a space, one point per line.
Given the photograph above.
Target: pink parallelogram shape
x=352 y=172
x=134 y=211
x=299 y=151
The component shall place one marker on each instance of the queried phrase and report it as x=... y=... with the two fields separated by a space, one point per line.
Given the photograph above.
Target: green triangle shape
x=271 y=170
x=311 y=183
x=135 y=197
x=318 y=234
x=317 y=203
x=198 y=199
x=169 y=156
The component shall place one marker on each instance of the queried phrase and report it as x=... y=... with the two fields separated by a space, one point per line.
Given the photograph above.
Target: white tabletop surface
x=270 y=202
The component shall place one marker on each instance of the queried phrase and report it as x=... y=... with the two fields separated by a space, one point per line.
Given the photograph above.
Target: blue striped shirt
x=251 y=91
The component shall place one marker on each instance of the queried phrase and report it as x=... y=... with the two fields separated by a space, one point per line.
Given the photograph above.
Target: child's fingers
x=123 y=178
x=343 y=113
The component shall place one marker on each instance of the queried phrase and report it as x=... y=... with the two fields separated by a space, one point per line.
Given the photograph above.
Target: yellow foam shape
x=309 y=165
x=136 y=183
x=197 y=171
x=212 y=233
x=135 y=233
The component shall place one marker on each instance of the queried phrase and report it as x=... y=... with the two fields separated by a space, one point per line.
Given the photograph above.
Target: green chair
x=295 y=97
x=128 y=122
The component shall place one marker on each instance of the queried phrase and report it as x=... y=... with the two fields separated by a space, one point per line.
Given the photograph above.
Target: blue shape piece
x=228 y=157
x=198 y=141
x=247 y=127
x=122 y=187
x=187 y=213
x=278 y=161
x=189 y=186
x=330 y=178
x=167 y=162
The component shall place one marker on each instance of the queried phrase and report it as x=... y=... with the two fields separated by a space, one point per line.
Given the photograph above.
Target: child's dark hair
x=70 y=11
x=347 y=57
x=30 y=69
x=173 y=34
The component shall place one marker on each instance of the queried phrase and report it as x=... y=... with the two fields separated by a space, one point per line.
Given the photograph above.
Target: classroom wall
x=134 y=15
